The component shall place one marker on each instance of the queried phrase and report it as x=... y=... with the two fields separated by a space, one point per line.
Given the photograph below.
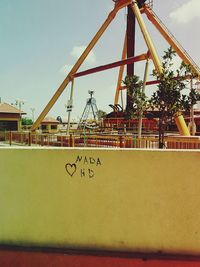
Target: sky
x=42 y=39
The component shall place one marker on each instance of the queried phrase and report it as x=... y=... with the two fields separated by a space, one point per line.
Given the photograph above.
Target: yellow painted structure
x=147 y=38
x=121 y=71
x=49 y=125
x=127 y=200
x=181 y=125
x=151 y=49
x=118 y=5
x=171 y=40
x=49 y=128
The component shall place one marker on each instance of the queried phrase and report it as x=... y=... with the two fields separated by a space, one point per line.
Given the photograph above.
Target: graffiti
x=88 y=160
x=83 y=167
x=70 y=168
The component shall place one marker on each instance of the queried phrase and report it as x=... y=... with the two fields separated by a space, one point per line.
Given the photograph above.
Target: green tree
x=169 y=99
x=27 y=121
x=101 y=114
x=139 y=99
x=139 y=104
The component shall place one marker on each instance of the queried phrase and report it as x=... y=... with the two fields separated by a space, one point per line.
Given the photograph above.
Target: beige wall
x=49 y=130
x=129 y=200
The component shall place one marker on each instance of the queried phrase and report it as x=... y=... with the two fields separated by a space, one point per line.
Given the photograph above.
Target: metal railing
x=97 y=140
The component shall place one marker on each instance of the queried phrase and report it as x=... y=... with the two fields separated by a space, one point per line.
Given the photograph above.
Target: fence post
x=29 y=138
x=10 y=138
x=42 y=140
x=84 y=138
x=134 y=141
x=71 y=140
x=121 y=141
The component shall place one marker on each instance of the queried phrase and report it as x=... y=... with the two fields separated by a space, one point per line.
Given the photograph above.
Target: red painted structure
x=149 y=125
x=25 y=258
x=121 y=123
x=127 y=61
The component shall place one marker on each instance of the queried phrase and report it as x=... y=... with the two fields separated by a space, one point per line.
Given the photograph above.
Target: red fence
x=98 y=140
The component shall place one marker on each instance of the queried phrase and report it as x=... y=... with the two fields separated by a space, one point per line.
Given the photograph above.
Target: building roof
x=7 y=108
x=50 y=120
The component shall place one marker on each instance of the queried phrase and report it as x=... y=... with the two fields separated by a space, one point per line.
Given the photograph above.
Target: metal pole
x=182 y=127
x=121 y=70
x=131 y=30
x=192 y=114
x=171 y=39
x=143 y=91
x=127 y=62
x=33 y=117
x=147 y=38
x=70 y=109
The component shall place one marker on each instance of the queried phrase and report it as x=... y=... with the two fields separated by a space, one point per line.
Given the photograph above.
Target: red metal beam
x=157 y=82
x=152 y=82
x=148 y=83
x=175 y=78
x=111 y=65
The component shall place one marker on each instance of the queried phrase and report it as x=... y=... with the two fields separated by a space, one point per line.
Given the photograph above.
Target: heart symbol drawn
x=70 y=168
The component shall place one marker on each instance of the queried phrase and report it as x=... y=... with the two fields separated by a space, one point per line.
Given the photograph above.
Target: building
x=10 y=117
x=49 y=125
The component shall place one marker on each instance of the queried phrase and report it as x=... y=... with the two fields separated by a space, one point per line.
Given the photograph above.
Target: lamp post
x=19 y=103
x=33 y=114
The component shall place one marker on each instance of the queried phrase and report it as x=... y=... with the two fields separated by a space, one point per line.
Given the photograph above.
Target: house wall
x=9 y=116
x=126 y=200
x=9 y=122
x=49 y=129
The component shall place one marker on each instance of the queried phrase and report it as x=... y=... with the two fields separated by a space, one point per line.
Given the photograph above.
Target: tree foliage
x=139 y=99
x=27 y=121
x=101 y=114
x=169 y=98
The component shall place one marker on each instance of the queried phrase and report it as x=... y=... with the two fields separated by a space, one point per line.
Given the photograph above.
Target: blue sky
x=41 y=40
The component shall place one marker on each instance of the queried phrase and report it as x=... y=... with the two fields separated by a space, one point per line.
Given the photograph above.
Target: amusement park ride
x=90 y=108
x=135 y=11
x=103 y=207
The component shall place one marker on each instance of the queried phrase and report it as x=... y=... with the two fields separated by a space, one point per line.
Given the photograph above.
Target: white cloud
x=76 y=53
x=187 y=12
x=78 y=50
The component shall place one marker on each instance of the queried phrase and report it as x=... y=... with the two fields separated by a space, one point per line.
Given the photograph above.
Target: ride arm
x=170 y=39
x=120 y=4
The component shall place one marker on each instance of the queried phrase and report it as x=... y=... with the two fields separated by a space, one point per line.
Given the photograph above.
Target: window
x=44 y=127
x=53 y=127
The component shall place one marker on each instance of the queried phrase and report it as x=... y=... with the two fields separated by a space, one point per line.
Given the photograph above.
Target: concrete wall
x=129 y=200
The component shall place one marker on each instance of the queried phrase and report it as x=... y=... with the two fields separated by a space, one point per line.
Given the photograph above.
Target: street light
x=19 y=103
x=33 y=114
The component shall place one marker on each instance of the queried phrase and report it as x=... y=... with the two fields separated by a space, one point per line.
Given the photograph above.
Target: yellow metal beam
x=79 y=62
x=143 y=91
x=164 y=32
x=181 y=125
x=180 y=122
x=147 y=38
x=121 y=71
